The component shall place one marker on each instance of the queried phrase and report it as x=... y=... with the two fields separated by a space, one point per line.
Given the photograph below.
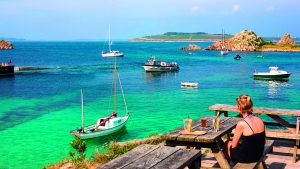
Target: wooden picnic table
x=211 y=139
x=292 y=132
x=155 y=157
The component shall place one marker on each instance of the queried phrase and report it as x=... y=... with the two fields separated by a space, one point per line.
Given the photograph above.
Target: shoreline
x=173 y=41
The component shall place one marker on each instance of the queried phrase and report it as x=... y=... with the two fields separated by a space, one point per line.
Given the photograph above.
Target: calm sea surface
x=38 y=108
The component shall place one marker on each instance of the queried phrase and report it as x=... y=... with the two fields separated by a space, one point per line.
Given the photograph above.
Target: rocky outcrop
x=245 y=40
x=5 y=45
x=191 y=47
x=286 y=40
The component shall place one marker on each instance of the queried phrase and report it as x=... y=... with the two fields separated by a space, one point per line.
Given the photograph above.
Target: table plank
x=179 y=159
x=129 y=157
x=257 y=110
x=227 y=124
x=152 y=158
x=210 y=137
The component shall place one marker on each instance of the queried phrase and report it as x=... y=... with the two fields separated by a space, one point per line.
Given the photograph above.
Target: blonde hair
x=245 y=103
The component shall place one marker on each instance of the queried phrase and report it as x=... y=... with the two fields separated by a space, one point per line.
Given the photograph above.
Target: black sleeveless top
x=250 y=149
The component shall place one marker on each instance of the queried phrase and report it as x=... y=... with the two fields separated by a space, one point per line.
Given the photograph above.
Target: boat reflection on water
x=274 y=87
x=159 y=74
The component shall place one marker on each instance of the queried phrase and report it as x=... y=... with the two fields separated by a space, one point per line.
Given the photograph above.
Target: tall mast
x=82 y=112
x=223 y=37
x=115 y=88
x=109 y=42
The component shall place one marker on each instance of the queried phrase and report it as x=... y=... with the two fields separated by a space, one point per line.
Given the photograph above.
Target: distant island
x=181 y=37
x=193 y=37
x=4 y=45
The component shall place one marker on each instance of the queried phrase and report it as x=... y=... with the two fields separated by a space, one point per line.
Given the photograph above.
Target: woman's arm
x=237 y=134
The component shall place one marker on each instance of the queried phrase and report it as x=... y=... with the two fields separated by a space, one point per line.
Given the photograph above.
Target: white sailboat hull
x=112 y=54
x=91 y=133
x=224 y=52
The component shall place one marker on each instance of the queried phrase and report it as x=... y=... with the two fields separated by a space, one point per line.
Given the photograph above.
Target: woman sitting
x=248 y=142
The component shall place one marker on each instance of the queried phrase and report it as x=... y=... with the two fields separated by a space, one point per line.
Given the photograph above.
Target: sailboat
x=106 y=125
x=223 y=51
x=111 y=53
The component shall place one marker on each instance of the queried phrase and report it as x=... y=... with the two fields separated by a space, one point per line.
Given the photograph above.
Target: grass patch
x=113 y=150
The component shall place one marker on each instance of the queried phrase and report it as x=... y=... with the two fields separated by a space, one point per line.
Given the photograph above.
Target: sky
x=89 y=19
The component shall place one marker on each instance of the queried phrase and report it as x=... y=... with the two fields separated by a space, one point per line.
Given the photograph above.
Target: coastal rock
x=286 y=40
x=245 y=40
x=5 y=45
x=191 y=47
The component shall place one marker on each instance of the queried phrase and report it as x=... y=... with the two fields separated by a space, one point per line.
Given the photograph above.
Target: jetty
x=28 y=68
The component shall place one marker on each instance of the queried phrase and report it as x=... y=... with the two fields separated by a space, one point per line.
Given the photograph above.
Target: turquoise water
x=39 y=108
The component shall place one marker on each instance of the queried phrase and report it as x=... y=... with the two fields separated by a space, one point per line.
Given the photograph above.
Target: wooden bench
x=292 y=132
x=156 y=157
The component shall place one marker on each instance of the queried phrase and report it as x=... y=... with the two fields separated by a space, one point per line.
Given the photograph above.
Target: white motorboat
x=106 y=125
x=153 y=65
x=274 y=73
x=189 y=85
x=110 y=52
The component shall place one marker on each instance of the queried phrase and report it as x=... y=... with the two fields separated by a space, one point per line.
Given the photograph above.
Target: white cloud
x=270 y=9
x=235 y=8
x=195 y=9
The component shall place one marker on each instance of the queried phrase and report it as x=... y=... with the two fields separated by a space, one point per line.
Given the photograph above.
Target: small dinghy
x=189 y=85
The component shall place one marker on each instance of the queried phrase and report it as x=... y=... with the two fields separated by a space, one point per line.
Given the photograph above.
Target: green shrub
x=78 y=157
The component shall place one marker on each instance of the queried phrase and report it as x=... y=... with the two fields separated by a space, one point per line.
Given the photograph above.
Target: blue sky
x=89 y=19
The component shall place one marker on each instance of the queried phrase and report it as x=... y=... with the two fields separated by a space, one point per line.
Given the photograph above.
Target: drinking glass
x=203 y=123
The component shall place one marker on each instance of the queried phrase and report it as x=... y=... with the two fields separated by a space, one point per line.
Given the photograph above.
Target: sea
x=38 y=108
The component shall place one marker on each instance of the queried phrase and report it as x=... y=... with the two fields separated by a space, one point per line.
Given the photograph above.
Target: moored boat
x=153 y=65
x=237 y=57
x=7 y=68
x=110 y=52
x=106 y=125
x=223 y=51
x=274 y=73
x=189 y=84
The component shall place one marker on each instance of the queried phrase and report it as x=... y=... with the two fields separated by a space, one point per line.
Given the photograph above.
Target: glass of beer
x=203 y=124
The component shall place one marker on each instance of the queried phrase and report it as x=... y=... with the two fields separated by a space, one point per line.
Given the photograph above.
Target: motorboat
x=7 y=68
x=274 y=73
x=153 y=65
x=110 y=52
x=104 y=125
x=189 y=85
